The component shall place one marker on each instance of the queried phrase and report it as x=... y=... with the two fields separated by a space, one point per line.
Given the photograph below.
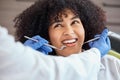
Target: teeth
x=69 y=41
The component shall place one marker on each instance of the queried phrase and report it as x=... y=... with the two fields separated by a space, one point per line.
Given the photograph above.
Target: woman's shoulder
x=110 y=59
x=111 y=63
x=110 y=68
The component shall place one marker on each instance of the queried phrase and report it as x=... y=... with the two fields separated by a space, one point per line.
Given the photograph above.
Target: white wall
x=112 y=12
x=11 y=8
x=8 y=10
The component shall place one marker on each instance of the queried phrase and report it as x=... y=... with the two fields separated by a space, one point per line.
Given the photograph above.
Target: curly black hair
x=36 y=19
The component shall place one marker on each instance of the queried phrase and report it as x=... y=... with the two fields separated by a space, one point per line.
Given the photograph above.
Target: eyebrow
x=60 y=20
x=56 y=21
x=76 y=16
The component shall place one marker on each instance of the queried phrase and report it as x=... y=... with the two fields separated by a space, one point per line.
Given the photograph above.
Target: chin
x=66 y=53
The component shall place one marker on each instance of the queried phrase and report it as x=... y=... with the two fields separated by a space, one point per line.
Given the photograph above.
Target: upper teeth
x=69 y=41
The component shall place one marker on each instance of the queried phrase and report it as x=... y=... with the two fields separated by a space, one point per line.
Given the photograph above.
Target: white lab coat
x=18 y=62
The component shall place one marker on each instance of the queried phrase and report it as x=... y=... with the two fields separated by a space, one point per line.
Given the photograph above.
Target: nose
x=68 y=30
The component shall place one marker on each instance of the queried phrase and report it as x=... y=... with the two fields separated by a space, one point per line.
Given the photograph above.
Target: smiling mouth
x=70 y=42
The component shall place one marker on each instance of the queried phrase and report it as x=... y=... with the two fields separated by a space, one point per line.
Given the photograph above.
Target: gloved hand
x=103 y=44
x=38 y=45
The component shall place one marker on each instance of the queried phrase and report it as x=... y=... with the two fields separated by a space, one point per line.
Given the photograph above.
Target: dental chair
x=115 y=44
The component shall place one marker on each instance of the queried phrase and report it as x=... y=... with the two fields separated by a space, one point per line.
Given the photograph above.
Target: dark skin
x=36 y=19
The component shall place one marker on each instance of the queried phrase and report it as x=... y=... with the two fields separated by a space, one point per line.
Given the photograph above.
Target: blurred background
x=11 y=8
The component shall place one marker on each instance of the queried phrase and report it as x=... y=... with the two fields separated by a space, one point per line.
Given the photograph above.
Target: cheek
x=81 y=33
x=54 y=38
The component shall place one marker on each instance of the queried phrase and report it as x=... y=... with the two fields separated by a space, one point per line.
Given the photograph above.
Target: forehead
x=63 y=13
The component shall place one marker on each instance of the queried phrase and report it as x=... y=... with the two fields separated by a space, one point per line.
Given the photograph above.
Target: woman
x=83 y=19
x=18 y=62
x=39 y=18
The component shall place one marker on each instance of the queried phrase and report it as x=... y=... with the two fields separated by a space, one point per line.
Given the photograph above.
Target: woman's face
x=68 y=31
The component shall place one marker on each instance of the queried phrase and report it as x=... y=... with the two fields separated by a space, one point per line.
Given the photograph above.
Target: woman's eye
x=75 y=22
x=57 y=25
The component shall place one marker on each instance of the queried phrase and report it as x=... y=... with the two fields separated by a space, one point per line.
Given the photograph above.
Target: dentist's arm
x=18 y=62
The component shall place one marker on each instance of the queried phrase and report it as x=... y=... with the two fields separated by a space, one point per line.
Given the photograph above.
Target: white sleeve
x=18 y=62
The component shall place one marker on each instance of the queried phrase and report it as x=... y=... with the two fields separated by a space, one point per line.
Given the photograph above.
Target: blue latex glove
x=103 y=44
x=38 y=45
